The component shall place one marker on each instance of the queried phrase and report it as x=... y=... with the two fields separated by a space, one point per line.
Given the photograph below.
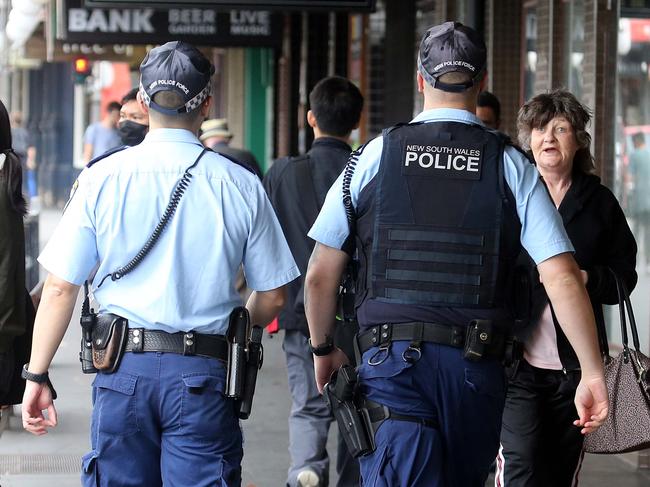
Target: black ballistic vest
x=445 y=233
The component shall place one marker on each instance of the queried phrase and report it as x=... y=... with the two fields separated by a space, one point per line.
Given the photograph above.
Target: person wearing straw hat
x=216 y=135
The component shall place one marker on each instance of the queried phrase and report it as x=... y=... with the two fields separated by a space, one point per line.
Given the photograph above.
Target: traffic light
x=82 y=69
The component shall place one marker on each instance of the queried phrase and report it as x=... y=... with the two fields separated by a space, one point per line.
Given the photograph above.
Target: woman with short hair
x=540 y=445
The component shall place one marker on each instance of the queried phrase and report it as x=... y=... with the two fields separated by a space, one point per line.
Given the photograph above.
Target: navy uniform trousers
x=163 y=418
x=464 y=398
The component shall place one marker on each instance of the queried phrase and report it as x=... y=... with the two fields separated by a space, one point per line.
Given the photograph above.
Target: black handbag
x=627 y=427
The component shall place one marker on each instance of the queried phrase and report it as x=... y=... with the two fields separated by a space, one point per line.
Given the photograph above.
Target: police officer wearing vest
x=439 y=209
x=162 y=416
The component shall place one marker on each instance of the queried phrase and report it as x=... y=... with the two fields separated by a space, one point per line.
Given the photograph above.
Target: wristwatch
x=38 y=378
x=324 y=349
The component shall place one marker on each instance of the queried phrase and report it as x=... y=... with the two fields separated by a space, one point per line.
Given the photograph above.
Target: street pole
x=79 y=125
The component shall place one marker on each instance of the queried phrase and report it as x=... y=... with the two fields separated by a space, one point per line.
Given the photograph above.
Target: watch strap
x=322 y=350
x=38 y=378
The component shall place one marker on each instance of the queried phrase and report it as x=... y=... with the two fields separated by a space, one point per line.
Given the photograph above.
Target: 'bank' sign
x=201 y=26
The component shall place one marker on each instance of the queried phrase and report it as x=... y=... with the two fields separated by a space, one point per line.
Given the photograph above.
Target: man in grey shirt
x=102 y=136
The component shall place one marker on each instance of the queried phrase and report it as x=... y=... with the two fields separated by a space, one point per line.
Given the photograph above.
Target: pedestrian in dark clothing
x=16 y=311
x=540 y=446
x=297 y=187
x=488 y=109
x=216 y=136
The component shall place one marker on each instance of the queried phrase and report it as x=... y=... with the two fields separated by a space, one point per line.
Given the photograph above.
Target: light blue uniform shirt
x=187 y=281
x=542 y=231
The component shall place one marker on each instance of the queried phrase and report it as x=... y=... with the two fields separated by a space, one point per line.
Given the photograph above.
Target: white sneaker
x=308 y=478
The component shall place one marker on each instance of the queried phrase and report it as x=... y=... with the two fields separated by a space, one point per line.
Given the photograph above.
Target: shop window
x=632 y=147
x=574 y=49
x=530 y=49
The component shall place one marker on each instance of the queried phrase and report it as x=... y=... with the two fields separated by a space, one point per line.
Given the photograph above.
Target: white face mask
x=3 y=158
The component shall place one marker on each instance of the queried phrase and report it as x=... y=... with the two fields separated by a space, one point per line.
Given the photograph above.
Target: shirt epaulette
x=106 y=154
x=231 y=159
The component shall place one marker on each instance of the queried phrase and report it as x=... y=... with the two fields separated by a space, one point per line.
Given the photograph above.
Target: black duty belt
x=190 y=343
x=378 y=413
x=416 y=331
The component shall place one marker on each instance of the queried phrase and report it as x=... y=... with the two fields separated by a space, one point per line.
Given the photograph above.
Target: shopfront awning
x=300 y=5
x=24 y=17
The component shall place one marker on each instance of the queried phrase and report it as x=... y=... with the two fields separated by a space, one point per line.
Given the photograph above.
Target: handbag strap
x=625 y=308
x=630 y=316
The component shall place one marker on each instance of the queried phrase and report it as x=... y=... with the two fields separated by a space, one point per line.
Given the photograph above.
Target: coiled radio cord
x=348 y=172
x=175 y=199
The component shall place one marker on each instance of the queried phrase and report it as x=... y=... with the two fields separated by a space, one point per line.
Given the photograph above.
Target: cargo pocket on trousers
x=89 y=477
x=376 y=470
x=115 y=403
x=204 y=408
x=388 y=363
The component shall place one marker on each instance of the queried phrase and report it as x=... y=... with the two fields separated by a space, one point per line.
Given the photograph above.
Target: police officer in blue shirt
x=162 y=417
x=439 y=209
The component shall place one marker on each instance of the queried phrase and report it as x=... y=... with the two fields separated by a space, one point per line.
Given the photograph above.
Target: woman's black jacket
x=602 y=239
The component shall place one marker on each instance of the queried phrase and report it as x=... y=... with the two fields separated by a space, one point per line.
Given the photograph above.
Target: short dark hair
x=113 y=106
x=638 y=138
x=543 y=108
x=487 y=99
x=130 y=96
x=337 y=104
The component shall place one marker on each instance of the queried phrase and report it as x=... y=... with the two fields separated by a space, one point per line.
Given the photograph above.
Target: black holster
x=255 y=357
x=236 y=336
x=342 y=396
x=245 y=356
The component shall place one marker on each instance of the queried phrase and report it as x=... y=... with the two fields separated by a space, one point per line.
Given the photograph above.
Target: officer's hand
x=592 y=403
x=37 y=398
x=324 y=366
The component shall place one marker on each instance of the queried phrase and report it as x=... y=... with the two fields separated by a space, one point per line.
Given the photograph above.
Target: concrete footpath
x=54 y=459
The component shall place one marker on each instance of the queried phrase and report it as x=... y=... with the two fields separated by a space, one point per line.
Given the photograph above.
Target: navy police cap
x=450 y=47
x=180 y=67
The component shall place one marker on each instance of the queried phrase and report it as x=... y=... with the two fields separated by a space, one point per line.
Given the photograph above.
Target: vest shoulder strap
x=388 y=130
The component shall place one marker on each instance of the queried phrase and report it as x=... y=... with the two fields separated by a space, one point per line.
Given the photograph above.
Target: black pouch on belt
x=109 y=336
x=478 y=339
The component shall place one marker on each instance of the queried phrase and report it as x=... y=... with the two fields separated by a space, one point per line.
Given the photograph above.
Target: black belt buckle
x=136 y=336
x=189 y=343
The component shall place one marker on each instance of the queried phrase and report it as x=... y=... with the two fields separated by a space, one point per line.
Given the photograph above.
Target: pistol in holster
x=245 y=357
x=103 y=339
x=343 y=398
